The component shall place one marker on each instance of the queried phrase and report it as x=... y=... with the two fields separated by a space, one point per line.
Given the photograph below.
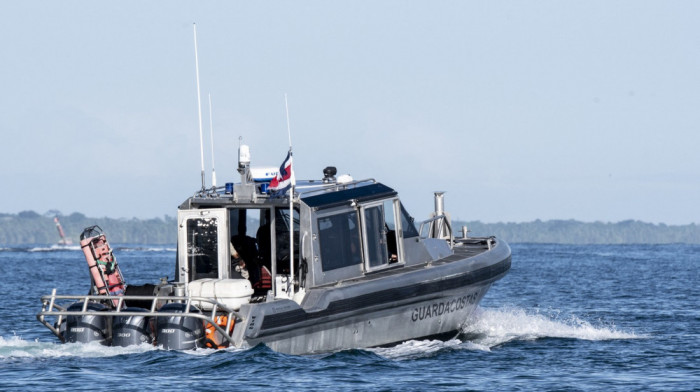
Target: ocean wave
x=73 y=248
x=414 y=349
x=54 y=248
x=488 y=328
x=144 y=249
x=492 y=327
x=33 y=249
x=16 y=347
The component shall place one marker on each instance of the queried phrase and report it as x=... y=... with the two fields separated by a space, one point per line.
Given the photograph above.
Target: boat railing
x=335 y=186
x=488 y=242
x=437 y=227
x=309 y=188
x=52 y=308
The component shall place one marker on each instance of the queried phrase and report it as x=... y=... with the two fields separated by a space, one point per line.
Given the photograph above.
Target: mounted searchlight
x=329 y=174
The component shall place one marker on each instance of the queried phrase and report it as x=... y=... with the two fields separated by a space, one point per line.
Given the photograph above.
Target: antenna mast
x=211 y=134
x=289 y=131
x=199 y=104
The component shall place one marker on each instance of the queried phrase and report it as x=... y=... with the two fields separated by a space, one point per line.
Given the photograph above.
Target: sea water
x=594 y=317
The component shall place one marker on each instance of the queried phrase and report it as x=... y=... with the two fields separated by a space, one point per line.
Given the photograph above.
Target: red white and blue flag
x=284 y=179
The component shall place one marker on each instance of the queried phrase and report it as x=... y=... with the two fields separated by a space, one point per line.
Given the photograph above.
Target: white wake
x=16 y=347
x=488 y=328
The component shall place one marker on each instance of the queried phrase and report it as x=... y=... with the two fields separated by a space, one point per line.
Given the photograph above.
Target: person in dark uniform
x=244 y=255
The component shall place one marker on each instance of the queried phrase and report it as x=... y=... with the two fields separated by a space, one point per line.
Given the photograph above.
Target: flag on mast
x=284 y=179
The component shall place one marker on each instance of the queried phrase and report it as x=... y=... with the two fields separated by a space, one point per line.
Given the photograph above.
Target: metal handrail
x=442 y=218
x=323 y=187
x=51 y=308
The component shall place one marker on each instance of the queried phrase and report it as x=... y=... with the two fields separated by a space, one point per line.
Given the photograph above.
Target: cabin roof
x=333 y=197
x=315 y=194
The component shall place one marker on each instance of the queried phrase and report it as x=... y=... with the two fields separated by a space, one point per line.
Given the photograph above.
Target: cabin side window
x=380 y=236
x=375 y=234
x=339 y=240
x=202 y=249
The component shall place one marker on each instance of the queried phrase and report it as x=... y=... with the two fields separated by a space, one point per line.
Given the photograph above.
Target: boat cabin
x=342 y=230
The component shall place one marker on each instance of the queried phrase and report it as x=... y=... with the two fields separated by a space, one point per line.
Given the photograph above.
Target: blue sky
x=586 y=110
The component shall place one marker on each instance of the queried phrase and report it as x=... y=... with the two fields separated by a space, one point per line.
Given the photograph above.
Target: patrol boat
x=326 y=265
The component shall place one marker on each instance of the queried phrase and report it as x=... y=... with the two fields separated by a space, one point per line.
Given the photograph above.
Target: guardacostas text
x=439 y=308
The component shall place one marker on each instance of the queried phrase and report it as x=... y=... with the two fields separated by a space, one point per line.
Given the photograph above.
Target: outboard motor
x=86 y=329
x=179 y=333
x=131 y=330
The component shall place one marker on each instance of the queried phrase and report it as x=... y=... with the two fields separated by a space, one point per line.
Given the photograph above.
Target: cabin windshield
x=408 y=226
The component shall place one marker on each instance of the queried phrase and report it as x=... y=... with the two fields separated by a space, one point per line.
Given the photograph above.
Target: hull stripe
x=482 y=275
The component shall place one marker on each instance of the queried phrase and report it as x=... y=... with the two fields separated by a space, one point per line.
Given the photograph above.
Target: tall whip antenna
x=289 y=131
x=211 y=134
x=199 y=104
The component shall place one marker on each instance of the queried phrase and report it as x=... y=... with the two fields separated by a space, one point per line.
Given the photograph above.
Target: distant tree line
x=29 y=227
x=576 y=232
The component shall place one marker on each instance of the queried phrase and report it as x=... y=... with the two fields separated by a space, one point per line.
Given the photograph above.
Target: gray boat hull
x=425 y=302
